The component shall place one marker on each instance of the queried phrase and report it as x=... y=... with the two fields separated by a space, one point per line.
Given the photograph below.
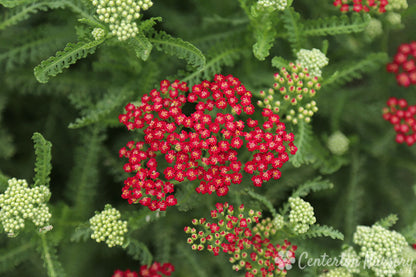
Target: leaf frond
x=43 y=164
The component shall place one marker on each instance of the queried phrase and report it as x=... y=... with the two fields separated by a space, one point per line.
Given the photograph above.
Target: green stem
x=47 y=257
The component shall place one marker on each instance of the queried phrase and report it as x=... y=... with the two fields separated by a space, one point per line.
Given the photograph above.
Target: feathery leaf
x=317 y=230
x=336 y=25
x=388 y=221
x=63 y=59
x=43 y=165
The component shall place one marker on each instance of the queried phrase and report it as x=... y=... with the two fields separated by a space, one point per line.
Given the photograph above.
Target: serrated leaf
x=279 y=62
x=178 y=47
x=357 y=69
x=139 y=251
x=14 y=3
x=388 y=221
x=336 y=25
x=43 y=165
x=303 y=139
x=317 y=230
x=141 y=45
x=294 y=28
x=63 y=59
x=314 y=185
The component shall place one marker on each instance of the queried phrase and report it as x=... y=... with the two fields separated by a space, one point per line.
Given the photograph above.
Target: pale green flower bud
x=301 y=215
x=338 y=143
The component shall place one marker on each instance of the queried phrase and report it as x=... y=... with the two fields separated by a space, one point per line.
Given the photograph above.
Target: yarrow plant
x=403 y=65
x=108 y=227
x=154 y=270
x=20 y=202
x=292 y=93
x=378 y=6
x=338 y=143
x=246 y=238
x=402 y=117
x=201 y=147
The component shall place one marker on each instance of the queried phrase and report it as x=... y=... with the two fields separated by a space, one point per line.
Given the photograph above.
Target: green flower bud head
x=120 y=15
x=350 y=260
x=338 y=143
x=108 y=227
x=278 y=222
x=314 y=60
x=374 y=28
x=380 y=248
x=273 y=4
x=395 y=19
x=19 y=203
x=98 y=33
x=301 y=215
x=397 y=5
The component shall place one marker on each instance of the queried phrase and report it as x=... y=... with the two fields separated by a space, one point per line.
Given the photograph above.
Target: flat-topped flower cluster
x=202 y=146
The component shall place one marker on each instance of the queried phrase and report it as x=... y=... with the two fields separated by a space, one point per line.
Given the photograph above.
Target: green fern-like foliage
x=357 y=69
x=85 y=176
x=63 y=59
x=111 y=101
x=43 y=165
x=14 y=254
x=139 y=219
x=336 y=25
x=303 y=139
x=179 y=48
x=141 y=46
x=388 y=221
x=279 y=62
x=314 y=185
x=294 y=28
x=263 y=200
x=317 y=230
x=14 y=3
x=82 y=233
x=20 y=13
x=139 y=251
x=265 y=32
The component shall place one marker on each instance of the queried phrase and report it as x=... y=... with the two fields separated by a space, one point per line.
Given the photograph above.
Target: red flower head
x=200 y=147
x=402 y=117
x=403 y=64
x=376 y=6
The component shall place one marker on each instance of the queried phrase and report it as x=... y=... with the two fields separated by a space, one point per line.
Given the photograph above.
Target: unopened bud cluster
x=337 y=272
x=19 y=202
x=314 y=60
x=108 y=227
x=374 y=28
x=338 y=143
x=98 y=33
x=301 y=215
x=350 y=260
x=381 y=248
x=120 y=15
x=274 y=4
x=292 y=94
x=397 y=5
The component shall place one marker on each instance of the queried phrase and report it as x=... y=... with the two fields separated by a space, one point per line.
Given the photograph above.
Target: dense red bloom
x=414 y=246
x=245 y=238
x=199 y=147
x=402 y=117
x=378 y=6
x=403 y=64
x=155 y=270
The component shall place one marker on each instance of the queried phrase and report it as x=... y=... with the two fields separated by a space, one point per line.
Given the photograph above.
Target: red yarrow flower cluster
x=403 y=64
x=155 y=270
x=402 y=116
x=202 y=146
x=414 y=246
x=361 y=5
x=245 y=238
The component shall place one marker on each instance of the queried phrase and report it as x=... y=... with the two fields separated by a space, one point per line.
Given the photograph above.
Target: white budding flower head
x=108 y=227
x=314 y=60
x=301 y=214
x=19 y=202
x=338 y=143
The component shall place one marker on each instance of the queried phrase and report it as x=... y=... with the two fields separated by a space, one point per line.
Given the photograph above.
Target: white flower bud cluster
x=275 y=4
x=278 y=222
x=397 y=5
x=374 y=28
x=408 y=268
x=98 y=33
x=120 y=15
x=107 y=227
x=19 y=202
x=313 y=60
x=350 y=260
x=301 y=215
x=337 y=272
x=394 y=19
x=380 y=248
x=338 y=143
